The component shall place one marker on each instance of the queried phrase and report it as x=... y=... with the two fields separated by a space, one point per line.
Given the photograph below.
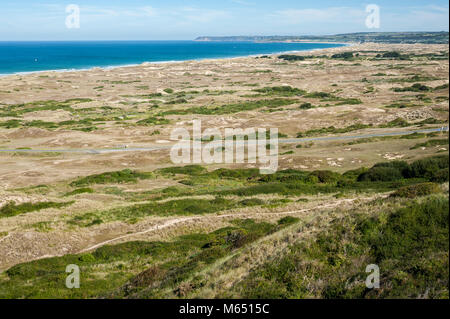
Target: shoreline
x=112 y=67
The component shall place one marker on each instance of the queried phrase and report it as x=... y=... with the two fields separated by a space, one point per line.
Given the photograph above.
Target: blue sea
x=17 y=57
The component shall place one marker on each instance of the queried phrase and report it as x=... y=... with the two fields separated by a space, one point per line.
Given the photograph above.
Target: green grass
x=413 y=191
x=180 y=207
x=290 y=57
x=132 y=267
x=306 y=106
x=185 y=170
x=400 y=105
x=418 y=87
x=430 y=143
x=281 y=91
x=12 y=209
x=333 y=130
x=117 y=177
x=77 y=191
x=349 y=101
x=233 y=108
x=381 y=177
x=153 y=121
x=50 y=105
x=409 y=245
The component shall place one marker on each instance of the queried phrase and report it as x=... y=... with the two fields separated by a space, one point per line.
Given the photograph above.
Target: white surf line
x=219 y=143
x=181 y=220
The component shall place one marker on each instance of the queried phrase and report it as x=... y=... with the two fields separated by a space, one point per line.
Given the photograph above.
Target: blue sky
x=179 y=20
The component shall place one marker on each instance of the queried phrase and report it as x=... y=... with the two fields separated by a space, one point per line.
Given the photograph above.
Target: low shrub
x=416 y=190
x=440 y=176
x=428 y=166
x=343 y=55
x=11 y=209
x=380 y=174
x=326 y=176
x=79 y=191
x=417 y=87
x=117 y=177
x=290 y=57
x=185 y=170
x=153 y=121
x=306 y=106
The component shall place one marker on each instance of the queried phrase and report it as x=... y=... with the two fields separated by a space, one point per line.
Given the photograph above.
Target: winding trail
x=182 y=220
x=176 y=221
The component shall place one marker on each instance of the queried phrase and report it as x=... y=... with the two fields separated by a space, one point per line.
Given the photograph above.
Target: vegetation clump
x=281 y=91
x=343 y=55
x=77 y=191
x=410 y=245
x=417 y=87
x=11 y=209
x=291 y=57
x=413 y=191
x=117 y=177
x=153 y=121
x=136 y=265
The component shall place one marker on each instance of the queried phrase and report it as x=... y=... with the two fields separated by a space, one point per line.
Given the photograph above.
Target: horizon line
x=224 y=36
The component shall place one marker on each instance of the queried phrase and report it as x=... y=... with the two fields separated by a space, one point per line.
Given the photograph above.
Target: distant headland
x=360 y=37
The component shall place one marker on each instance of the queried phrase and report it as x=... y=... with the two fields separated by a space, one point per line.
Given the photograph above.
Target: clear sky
x=180 y=20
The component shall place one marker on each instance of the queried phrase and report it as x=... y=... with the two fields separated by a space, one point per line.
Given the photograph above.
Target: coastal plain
x=74 y=188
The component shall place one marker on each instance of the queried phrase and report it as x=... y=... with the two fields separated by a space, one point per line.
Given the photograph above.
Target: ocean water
x=17 y=57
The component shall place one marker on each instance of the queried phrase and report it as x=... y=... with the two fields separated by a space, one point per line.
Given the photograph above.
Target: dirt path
x=67 y=247
x=182 y=220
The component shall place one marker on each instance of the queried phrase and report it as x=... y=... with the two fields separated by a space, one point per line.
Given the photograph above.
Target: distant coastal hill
x=361 y=37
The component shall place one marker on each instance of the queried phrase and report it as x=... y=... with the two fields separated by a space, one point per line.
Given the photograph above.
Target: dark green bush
x=153 y=121
x=440 y=176
x=402 y=166
x=281 y=91
x=354 y=173
x=124 y=176
x=11 y=209
x=288 y=220
x=79 y=191
x=326 y=176
x=343 y=55
x=290 y=57
x=417 y=87
x=251 y=202
x=416 y=190
x=185 y=170
x=245 y=173
x=392 y=54
x=306 y=106
x=427 y=167
x=411 y=248
x=381 y=174
x=412 y=229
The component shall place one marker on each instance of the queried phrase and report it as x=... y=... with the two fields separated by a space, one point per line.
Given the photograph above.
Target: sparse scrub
x=117 y=177
x=12 y=209
x=84 y=190
x=410 y=245
x=413 y=191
